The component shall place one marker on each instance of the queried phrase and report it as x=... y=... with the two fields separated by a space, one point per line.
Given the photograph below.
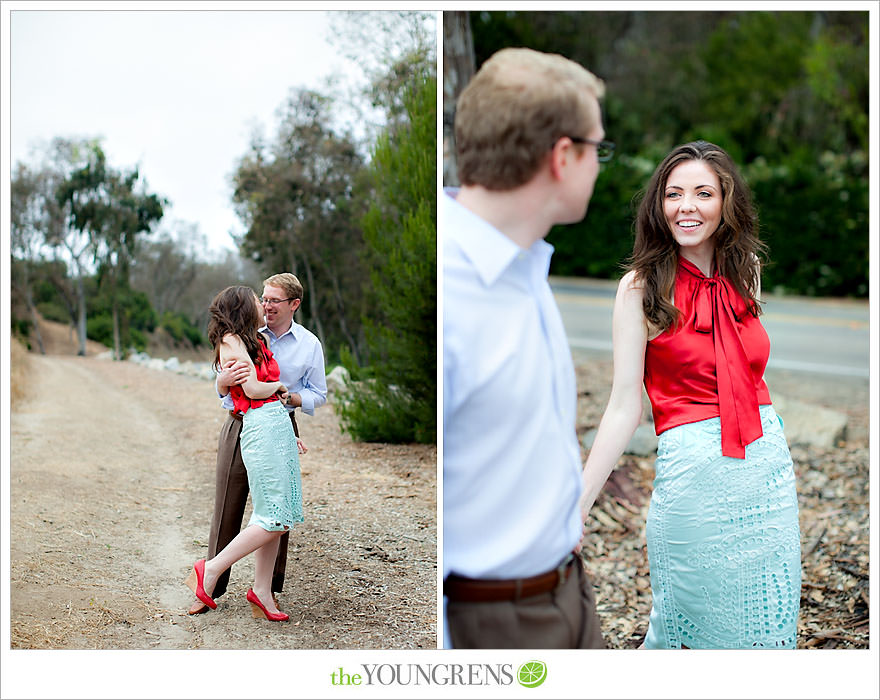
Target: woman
x=268 y=450
x=722 y=530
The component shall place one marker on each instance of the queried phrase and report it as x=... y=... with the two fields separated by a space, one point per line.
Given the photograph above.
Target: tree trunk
x=81 y=320
x=117 y=349
x=337 y=293
x=459 y=65
x=313 y=302
x=29 y=300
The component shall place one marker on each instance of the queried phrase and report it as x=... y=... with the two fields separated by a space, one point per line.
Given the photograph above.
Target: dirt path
x=111 y=492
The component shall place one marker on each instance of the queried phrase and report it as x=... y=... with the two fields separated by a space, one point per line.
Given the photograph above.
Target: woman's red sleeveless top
x=711 y=363
x=267 y=371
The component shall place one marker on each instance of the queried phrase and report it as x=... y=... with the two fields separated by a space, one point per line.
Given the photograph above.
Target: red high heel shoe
x=259 y=610
x=196 y=583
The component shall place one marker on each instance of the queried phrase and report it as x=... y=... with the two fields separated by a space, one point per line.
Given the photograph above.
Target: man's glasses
x=604 y=149
x=273 y=302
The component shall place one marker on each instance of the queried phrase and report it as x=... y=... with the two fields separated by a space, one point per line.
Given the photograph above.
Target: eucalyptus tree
x=43 y=222
x=296 y=195
x=29 y=220
x=106 y=211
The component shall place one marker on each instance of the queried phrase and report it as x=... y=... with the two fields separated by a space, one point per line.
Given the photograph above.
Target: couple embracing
x=268 y=365
x=722 y=529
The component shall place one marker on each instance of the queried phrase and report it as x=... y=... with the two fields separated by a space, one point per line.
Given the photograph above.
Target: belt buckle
x=561 y=578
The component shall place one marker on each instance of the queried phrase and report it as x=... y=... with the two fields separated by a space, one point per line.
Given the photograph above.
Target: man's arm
x=314 y=390
x=232 y=373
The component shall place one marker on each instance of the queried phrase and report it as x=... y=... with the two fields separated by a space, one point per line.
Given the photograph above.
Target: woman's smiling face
x=692 y=203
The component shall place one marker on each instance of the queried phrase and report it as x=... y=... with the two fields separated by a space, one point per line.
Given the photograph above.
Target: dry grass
x=19 y=369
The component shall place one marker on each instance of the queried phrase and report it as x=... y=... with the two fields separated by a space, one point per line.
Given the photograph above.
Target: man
x=301 y=361
x=529 y=137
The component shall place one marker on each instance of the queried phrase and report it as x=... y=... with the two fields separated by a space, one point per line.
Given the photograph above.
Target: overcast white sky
x=177 y=92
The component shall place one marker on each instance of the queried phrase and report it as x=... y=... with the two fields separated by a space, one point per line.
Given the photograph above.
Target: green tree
x=785 y=93
x=392 y=48
x=298 y=197
x=110 y=209
x=393 y=399
x=30 y=191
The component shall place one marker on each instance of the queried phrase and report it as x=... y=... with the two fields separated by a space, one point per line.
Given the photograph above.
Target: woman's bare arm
x=232 y=348
x=624 y=410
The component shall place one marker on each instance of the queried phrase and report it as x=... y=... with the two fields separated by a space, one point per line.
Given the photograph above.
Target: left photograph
x=223 y=395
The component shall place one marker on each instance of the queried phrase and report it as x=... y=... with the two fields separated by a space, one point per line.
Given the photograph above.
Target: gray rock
x=642 y=444
x=155 y=363
x=807 y=424
x=172 y=364
x=337 y=379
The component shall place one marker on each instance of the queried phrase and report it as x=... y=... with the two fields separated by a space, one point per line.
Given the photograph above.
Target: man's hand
x=282 y=393
x=580 y=545
x=232 y=373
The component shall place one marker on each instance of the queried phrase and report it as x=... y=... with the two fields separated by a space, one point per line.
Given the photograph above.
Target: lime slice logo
x=532 y=673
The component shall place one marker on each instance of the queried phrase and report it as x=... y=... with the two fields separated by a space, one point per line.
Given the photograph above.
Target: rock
x=172 y=364
x=337 y=379
x=155 y=363
x=808 y=424
x=642 y=444
x=105 y=355
x=205 y=372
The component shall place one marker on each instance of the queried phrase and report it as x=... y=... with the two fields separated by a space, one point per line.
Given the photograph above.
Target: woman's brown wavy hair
x=233 y=311
x=738 y=250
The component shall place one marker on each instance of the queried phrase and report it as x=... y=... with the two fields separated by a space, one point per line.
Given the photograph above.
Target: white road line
x=811 y=367
x=590 y=344
x=816 y=368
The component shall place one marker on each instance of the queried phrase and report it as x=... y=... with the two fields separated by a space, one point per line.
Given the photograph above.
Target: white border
x=610 y=674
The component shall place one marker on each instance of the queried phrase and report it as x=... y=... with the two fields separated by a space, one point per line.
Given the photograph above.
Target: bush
x=21 y=328
x=181 y=328
x=100 y=328
x=54 y=311
x=394 y=399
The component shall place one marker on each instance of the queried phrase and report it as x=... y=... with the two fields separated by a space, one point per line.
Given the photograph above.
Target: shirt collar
x=489 y=250
x=292 y=330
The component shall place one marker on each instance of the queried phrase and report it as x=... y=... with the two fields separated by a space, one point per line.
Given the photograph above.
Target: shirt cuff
x=308 y=402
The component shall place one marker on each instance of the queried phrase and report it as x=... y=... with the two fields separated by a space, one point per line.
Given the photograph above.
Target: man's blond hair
x=514 y=110
x=288 y=282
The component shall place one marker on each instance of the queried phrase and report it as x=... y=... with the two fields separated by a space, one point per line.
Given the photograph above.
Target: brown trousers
x=563 y=619
x=230 y=499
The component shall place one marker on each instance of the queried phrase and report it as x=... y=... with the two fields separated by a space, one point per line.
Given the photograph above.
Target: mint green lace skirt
x=723 y=541
x=270 y=455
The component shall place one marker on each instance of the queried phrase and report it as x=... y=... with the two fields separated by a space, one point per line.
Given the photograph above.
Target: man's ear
x=561 y=152
x=296 y=303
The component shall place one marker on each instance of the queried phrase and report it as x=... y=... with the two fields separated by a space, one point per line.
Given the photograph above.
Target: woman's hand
x=301 y=446
x=282 y=393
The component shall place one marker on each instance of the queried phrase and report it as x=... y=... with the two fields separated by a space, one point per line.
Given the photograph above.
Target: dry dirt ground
x=111 y=493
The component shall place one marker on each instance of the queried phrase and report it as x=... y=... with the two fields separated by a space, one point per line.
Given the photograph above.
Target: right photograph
x=654 y=244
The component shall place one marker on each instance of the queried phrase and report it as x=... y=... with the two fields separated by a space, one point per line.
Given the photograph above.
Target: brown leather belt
x=237 y=416
x=471 y=590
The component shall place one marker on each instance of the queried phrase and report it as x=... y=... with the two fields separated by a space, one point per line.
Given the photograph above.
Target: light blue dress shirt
x=300 y=358
x=511 y=459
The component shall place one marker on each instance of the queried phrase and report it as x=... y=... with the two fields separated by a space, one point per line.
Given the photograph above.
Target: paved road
x=813 y=336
